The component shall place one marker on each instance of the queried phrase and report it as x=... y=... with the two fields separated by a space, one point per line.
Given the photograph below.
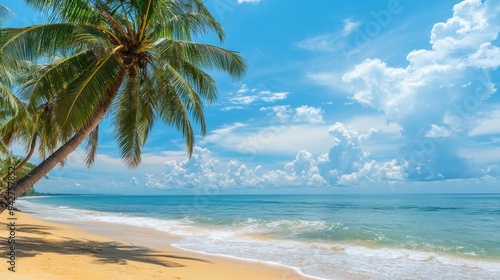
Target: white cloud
x=244 y=89
x=350 y=26
x=248 y=1
x=488 y=154
x=287 y=131
x=437 y=131
x=268 y=96
x=245 y=96
x=229 y=108
x=325 y=42
x=437 y=99
x=488 y=126
x=292 y=129
x=345 y=163
x=203 y=170
x=244 y=100
x=377 y=122
x=331 y=42
x=283 y=113
x=375 y=172
x=275 y=139
x=308 y=114
x=303 y=114
x=345 y=155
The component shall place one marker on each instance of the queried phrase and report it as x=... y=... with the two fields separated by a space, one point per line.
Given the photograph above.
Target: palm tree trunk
x=15 y=190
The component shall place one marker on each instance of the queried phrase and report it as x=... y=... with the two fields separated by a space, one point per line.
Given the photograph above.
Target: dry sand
x=47 y=250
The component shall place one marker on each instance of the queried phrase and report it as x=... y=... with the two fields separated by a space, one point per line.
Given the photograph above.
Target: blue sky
x=340 y=97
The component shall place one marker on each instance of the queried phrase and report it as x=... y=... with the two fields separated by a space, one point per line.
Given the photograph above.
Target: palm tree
x=132 y=60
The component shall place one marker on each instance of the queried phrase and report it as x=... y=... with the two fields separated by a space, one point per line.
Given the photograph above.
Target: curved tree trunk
x=15 y=190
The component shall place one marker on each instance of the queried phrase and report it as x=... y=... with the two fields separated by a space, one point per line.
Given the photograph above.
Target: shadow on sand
x=103 y=252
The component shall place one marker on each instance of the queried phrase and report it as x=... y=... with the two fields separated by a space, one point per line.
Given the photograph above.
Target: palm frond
x=4 y=14
x=188 y=96
x=9 y=103
x=15 y=118
x=183 y=20
x=75 y=106
x=209 y=19
x=146 y=11
x=176 y=102
x=74 y=11
x=134 y=118
x=54 y=78
x=203 y=55
x=31 y=43
x=122 y=11
x=202 y=82
x=91 y=149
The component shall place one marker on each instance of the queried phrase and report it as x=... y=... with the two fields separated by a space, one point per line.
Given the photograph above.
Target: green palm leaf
x=201 y=55
x=70 y=11
x=31 y=43
x=54 y=78
x=75 y=106
x=177 y=102
x=4 y=14
x=8 y=102
x=183 y=20
x=134 y=118
x=91 y=149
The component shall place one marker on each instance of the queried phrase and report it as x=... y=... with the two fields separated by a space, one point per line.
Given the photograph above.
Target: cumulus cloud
x=345 y=163
x=437 y=99
x=204 y=170
x=375 y=172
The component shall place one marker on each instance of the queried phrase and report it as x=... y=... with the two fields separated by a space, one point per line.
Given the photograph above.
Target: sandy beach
x=47 y=250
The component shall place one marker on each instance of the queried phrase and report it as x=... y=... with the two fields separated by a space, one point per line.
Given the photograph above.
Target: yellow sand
x=46 y=250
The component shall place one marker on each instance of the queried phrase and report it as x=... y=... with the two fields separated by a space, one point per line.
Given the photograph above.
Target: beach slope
x=46 y=250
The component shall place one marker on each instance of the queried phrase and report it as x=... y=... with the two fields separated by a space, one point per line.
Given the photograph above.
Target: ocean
x=321 y=236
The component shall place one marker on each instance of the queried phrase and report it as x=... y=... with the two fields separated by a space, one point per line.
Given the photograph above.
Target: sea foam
x=288 y=243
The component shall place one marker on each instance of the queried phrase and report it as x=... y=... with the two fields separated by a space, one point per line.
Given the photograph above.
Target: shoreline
x=56 y=250
x=322 y=247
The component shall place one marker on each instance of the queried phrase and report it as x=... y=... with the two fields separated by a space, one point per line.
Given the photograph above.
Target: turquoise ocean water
x=322 y=236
